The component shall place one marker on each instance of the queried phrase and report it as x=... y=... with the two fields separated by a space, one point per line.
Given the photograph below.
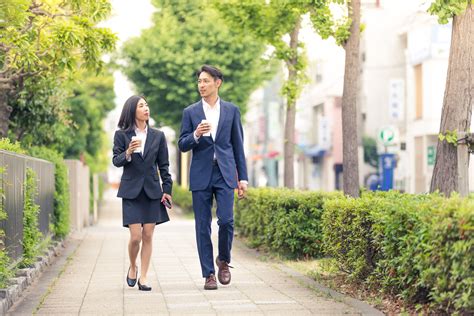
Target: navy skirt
x=143 y=210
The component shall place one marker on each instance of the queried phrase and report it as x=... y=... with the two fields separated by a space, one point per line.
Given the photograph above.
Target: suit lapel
x=150 y=137
x=130 y=134
x=201 y=116
x=222 y=115
x=200 y=111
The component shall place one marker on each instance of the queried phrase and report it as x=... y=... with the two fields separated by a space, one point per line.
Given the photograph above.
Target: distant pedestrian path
x=89 y=279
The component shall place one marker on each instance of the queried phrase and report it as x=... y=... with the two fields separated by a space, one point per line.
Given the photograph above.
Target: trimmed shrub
x=15 y=147
x=285 y=221
x=61 y=194
x=183 y=198
x=417 y=246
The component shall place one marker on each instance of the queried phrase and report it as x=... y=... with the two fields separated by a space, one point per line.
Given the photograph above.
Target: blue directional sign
x=387 y=163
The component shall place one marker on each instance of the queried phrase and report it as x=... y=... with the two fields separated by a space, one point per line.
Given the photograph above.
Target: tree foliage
x=44 y=41
x=91 y=100
x=162 y=62
x=274 y=22
x=448 y=9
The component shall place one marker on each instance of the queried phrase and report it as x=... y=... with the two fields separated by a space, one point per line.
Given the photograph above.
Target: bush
x=15 y=147
x=419 y=247
x=183 y=198
x=61 y=194
x=5 y=261
x=31 y=233
x=282 y=220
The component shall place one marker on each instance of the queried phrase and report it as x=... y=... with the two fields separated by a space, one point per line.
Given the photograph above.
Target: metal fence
x=13 y=186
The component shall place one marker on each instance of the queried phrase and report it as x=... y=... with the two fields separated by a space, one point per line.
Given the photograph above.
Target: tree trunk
x=350 y=153
x=457 y=103
x=289 y=142
x=5 y=111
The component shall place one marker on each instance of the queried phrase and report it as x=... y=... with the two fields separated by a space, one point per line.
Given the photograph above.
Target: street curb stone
x=25 y=277
x=363 y=307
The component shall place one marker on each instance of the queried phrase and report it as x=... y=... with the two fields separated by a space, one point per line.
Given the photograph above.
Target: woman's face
x=143 y=112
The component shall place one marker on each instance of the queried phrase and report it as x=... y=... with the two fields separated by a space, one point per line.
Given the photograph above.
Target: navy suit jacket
x=141 y=171
x=228 y=146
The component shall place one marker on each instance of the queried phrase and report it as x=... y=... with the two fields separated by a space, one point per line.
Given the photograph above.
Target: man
x=211 y=128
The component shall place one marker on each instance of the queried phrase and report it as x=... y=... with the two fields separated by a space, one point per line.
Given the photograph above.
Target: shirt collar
x=138 y=131
x=208 y=107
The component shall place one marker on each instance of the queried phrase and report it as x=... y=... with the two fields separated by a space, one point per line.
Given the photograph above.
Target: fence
x=13 y=185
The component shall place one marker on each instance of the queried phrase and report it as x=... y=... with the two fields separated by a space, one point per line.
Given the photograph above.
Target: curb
x=26 y=276
x=363 y=307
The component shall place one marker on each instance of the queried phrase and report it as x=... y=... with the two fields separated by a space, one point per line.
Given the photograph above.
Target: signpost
x=386 y=165
x=431 y=155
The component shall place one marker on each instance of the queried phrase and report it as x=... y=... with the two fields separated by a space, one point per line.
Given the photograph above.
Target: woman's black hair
x=127 y=118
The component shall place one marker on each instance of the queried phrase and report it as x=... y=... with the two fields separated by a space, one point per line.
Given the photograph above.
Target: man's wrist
x=244 y=181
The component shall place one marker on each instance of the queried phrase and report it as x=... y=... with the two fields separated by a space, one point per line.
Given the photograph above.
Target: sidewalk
x=89 y=279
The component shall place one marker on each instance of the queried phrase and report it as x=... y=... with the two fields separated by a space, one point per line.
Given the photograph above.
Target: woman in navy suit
x=141 y=151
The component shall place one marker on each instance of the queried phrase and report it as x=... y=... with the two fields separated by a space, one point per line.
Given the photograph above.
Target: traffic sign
x=388 y=135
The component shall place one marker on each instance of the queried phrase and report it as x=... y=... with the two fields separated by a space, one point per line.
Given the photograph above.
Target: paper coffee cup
x=138 y=150
x=206 y=122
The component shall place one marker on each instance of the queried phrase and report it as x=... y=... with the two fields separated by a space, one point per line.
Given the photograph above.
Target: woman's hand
x=168 y=198
x=134 y=144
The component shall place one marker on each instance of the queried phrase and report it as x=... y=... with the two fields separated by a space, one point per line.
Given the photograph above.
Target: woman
x=139 y=149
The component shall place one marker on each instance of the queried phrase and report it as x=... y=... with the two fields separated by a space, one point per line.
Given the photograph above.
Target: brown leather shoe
x=211 y=283
x=223 y=274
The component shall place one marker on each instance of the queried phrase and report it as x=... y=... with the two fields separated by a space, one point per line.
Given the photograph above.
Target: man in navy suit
x=212 y=129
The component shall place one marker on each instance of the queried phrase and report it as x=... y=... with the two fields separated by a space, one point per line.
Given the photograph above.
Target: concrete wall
x=79 y=194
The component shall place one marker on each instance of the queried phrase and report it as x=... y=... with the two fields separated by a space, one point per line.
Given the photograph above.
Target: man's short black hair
x=211 y=70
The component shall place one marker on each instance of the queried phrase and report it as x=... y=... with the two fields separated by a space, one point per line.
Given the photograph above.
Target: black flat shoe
x=131 y=282
x=143 y=287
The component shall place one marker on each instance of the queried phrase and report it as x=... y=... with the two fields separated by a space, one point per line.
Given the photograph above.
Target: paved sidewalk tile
x=93 y=279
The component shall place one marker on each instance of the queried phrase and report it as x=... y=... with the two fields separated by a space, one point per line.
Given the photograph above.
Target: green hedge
x=420 y=247
x=32 y=236
x=61 y=194
x=183 y=198
x=278 y=219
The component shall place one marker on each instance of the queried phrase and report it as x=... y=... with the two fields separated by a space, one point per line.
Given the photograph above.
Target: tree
x=459 y=93
x=39 y=114
x=41 y=40
x=91 y=100
x=350 y=140
x=162 y=62
x=270 y=22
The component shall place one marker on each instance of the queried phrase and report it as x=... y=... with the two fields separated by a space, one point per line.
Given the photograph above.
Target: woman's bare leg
x=147 y=244
x=134 y=247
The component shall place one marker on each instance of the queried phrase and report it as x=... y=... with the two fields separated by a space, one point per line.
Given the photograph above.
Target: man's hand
x=242 y=191
x=202 y=128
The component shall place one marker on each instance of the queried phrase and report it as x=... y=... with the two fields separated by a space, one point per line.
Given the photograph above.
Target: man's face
x=207 y=85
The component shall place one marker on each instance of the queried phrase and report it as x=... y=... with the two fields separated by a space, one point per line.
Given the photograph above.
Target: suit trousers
x=202 y=205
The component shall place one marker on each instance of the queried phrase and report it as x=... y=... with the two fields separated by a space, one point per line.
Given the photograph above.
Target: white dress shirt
x=141 y=135
x=212 y=115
